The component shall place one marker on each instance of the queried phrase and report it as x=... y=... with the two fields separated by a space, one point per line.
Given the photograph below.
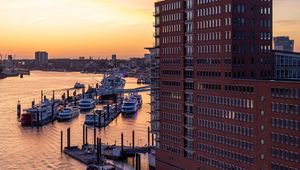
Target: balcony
x=189 y=138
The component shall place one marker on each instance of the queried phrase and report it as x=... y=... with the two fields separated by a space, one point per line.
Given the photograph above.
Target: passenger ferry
x=132 y=103
x=40 y=114
x=68 y=113
x=87 y=104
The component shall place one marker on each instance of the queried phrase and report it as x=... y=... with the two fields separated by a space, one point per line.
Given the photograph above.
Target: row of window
x=171 y=50
x=171 y=95
x=232 y=142
x=209 y=87
x=238 y=88
x=171 y=6
x=171 y=72
x=206 y=1
x=285 y=139
x=228 y=101
x=286 y=93
x=171 y=17
x=243 y=117
x=171 y=83
x=226 y=153
x=171 y=40
x=224 y=127
x=285 y=124
x=277 y=166
x=217 y=163
x=215 y=10
x=171 y=28
x=286 y=155
x=212 y=36
x=170 y=106
x=208 y=74
x=209 y=61
x=171 y=127
x=169 y=61
x=170 y=138
x=170 y=149
x=171 y=116
x=285 y=108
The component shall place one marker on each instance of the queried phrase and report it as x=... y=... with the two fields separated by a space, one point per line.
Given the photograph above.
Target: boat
x=78 y=85
x=87 y=104
x=130 y=105
x=111 y=81
x=93 y=118
x=68 y=113
x=40 y=114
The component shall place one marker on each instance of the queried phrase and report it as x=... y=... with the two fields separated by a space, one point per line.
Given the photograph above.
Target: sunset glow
x=72 y=28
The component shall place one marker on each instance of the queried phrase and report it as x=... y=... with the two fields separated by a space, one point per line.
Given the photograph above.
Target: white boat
x=78 y=85
x=130 y=105
x=138 y=98
x=40 y=114
x=112 y=81
x=87 y=104
x=68 y=113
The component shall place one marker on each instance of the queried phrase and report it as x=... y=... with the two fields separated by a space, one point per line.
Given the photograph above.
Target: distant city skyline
x=66 y=28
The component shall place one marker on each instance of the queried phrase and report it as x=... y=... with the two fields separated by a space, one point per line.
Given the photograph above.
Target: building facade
x=286 y=65
x=41 y=57
x=283 y=43
x=218 y=107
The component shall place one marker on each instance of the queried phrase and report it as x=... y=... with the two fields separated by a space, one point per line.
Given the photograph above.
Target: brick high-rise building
x=217 y=106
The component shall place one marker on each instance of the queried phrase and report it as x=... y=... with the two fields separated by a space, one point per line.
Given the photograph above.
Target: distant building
x=81 y=58
x=283 y=43
x=114 y=57
x=41 y=57
x=286 y=65
x=10 y=61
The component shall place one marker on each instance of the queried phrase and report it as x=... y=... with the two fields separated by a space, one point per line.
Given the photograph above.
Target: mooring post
x=97 y=151
x=94 y=118
x=99 y=119
x=68 y=94
x=69 y=138
x=42 y=96
x=137 y=161
x=95 y=137
x=37 y=118
x=107 y=111
x=86 y=135
x=19 y=110
x=132 y=139
x=83 y=135
x=148 y=136
x=52 y=111
x=41 y=122
x=122 y=144
x=61 y=141
x=53 y=95
x=152 y=139
x=32 y=103
x=100 y=147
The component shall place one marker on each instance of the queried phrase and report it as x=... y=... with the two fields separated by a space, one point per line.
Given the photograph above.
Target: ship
x=111 y=81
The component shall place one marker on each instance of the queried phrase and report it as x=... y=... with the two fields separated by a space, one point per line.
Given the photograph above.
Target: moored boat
x=68 y=113
x=130 y=105
x=87 y=104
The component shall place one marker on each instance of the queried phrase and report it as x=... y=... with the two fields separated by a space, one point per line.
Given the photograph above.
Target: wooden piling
x=32 y=103
x=68 y=94
x=69 y=138
x=148 y=136
x=61 y=141
x=86 y=135
x=37 y=118
x=18 y=110
x=138 y=161
x=83 y=134
x=95 y=137
x=107 y=111
x=52 y=111
x=53 y=95
x=122 y=143
x=42 y=95
x=132 y=139
x=97 y=153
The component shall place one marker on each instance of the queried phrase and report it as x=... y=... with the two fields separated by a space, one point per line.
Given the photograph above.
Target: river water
x=32 y=148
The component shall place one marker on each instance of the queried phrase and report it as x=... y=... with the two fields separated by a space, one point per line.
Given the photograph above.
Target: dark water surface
x=32 y=148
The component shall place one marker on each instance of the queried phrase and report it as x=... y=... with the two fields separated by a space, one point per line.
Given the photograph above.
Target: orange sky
x=72 y=28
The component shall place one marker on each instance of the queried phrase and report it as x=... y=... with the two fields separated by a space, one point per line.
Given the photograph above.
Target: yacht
x=40 y=114
x=130 y=105
x=138 y=97
x=68 y=113
x=93 y=118
x=87 y=104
